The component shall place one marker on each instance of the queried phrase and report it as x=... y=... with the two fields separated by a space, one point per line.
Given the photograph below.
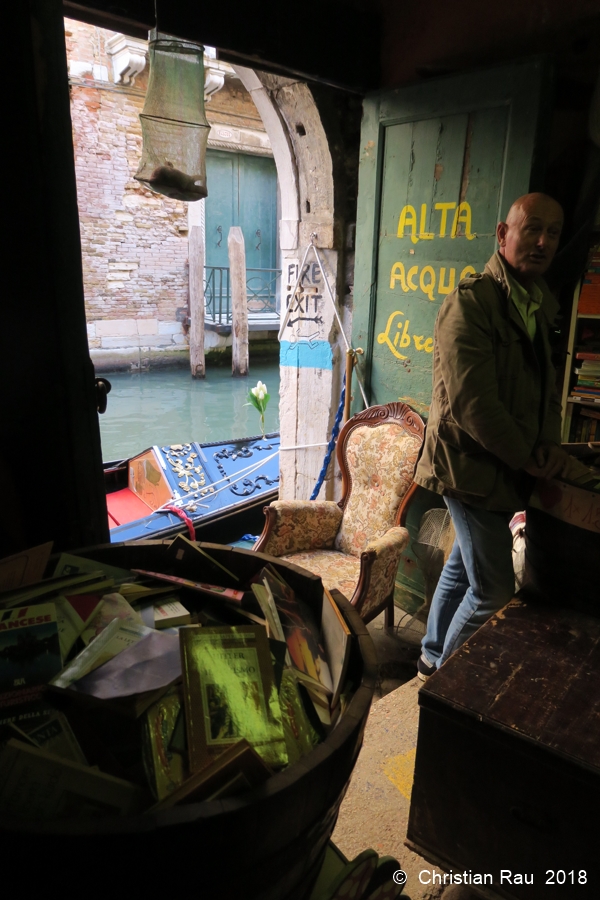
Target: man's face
x=529 y=238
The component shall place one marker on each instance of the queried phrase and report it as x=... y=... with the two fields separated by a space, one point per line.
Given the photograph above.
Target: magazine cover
x=29 y=651
x=300 y=629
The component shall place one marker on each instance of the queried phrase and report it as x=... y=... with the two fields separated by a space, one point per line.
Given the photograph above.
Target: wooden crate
x=507 y=771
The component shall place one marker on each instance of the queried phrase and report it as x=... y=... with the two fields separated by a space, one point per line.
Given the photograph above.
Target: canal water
x=171 y=407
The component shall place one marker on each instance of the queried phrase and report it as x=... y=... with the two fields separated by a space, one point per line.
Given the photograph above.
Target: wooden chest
x=507 y=776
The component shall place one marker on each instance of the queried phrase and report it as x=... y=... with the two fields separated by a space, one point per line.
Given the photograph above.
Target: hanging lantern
x=174 y=127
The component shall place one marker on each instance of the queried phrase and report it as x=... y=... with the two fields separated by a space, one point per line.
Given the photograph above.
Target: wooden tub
x=267 y=844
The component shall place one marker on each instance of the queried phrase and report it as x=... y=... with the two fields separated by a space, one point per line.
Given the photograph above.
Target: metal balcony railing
x=262 y=288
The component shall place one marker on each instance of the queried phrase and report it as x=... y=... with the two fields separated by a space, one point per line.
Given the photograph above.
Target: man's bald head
x=529 y=237
x=534 y=204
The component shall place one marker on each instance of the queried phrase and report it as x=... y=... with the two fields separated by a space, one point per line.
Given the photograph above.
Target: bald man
x=494 y=423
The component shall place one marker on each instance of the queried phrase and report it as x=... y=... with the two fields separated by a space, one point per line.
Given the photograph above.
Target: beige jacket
x=492 y=401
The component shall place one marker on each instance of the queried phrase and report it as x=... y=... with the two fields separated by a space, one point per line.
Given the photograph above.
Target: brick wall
x=134 y=242
x=233 y=104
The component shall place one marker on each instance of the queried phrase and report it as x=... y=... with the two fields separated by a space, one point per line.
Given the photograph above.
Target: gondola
x=215 y=491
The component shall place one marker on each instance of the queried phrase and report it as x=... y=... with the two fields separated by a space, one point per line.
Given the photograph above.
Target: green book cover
x=230 y=693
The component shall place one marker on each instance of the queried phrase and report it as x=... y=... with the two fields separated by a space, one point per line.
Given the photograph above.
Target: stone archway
x=310 y=355
x=285 y=161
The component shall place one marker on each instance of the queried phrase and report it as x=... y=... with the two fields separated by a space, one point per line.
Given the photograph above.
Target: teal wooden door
x=441 y=162
x=242 y=190
x=221 y=206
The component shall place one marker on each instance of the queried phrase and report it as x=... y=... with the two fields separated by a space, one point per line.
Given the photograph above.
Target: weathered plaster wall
x=135 y=242
x=235 y=120
x=324 y=127
x=312 y=348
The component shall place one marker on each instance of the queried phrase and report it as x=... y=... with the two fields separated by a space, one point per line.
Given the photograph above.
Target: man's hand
x=547 y=460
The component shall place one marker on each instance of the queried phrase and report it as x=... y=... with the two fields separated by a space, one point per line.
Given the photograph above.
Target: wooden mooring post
x=239 y=302
x=196 y=280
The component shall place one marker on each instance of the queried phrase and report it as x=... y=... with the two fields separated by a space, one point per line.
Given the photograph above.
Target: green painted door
x=242 y=190
x=441 y=163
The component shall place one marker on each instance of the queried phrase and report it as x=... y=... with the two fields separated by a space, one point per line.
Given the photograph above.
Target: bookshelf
x=584 y=336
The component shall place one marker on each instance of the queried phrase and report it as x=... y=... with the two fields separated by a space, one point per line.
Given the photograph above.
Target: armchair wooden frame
x=372 y=417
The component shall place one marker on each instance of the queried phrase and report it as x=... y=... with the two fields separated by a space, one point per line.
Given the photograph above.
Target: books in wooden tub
x=562 y=544
x=264 y=844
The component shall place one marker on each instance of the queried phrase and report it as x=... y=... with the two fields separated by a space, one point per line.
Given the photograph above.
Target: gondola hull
x=220 y=487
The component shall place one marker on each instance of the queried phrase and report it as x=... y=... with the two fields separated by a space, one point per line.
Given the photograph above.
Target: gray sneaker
x=424 y=668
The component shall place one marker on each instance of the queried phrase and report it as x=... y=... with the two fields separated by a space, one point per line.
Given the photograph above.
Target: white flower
x=259 y=391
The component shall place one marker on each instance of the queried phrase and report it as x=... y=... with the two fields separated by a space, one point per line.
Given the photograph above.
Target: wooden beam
x=239 y=301
x=196 y=269
x=135 y=17
x=338 y=46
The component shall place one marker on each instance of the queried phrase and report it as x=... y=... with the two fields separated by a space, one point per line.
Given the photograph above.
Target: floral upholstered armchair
x=355 y=545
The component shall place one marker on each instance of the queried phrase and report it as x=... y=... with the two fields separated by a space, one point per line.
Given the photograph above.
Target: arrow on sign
x=317 y=319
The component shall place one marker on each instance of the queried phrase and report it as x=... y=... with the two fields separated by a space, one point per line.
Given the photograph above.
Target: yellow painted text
x=397 y=335
x=407 y=222
x=427 y=279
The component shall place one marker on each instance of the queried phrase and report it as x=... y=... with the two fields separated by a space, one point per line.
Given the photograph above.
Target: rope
x=182 y=515
x=334 y=433
x=304 y=446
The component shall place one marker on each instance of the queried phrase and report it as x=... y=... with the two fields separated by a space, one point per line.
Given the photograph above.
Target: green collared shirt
x=526 y=302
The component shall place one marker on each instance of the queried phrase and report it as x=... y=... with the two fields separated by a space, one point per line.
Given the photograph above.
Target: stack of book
x=133 y=691
x=587 y=428
x=588 y=377
x=589 y=297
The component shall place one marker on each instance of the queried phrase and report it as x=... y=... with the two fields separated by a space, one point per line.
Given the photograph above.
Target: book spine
x=575 y=399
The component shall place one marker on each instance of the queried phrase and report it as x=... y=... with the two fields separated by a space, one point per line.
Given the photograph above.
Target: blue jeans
x=477 y=580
